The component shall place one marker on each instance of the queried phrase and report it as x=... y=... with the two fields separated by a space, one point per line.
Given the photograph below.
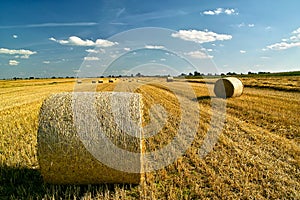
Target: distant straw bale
x=228 y=87
x=170 y=79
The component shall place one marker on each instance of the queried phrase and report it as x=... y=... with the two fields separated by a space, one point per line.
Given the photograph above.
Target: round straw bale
x=228 y=87
x=63 y=154
x=170 y=79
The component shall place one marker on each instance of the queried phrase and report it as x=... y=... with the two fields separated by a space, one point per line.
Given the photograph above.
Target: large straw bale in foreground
x=62 y=154
x=228 y=87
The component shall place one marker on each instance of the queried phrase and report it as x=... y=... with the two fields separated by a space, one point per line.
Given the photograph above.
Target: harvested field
x=257 y=155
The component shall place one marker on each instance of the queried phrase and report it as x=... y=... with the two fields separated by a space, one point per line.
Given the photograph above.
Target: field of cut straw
x=257 y=155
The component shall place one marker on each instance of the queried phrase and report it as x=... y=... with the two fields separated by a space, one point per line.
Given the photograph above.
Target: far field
x=257 y=155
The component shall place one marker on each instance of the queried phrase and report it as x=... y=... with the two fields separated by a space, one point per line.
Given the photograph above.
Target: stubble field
x=257 y=154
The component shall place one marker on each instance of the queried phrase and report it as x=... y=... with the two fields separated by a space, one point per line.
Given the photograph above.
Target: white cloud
x=209 y=12
x=13 y=51
x=91 y=51
x=76 y=41
x=163 y=59
x=154 y=47
x=230 y=12
x=296 y=31
x=218 y=11
x=13 y=62
x=52 y=39
x=24 y=53
x=198 y=54
x=46 y=62
x=293 y=41
x=241 y=25
x=25 y=56
x=294 y=38
x=283 y=46
x=265 y=57
x=127 y=49
x=242 y=51
x=91 y=58
x=200 y=36
x=95 y=50
x=15 y=36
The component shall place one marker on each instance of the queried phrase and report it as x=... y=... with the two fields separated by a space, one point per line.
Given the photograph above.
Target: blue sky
x=63 y=38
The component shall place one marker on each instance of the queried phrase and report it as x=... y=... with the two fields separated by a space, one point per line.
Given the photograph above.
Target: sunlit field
x=257 y=155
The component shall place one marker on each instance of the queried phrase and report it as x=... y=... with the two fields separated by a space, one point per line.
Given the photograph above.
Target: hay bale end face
x=63 y=155
x=110 y=80
x=228 y=87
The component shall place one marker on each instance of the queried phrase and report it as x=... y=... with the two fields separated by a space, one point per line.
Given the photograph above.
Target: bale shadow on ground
x=25 y=183
x=202 y=98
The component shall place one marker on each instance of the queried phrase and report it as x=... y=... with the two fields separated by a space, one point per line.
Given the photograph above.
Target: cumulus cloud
x=209 y=12
x=154 y=47
x=283 y=45
x=91 y=58
x=95 y=50
x=46 y=62
x=218 y=11
x=198 y=54
x=251 y=25
x=200 y=36
x=242 y=51
x=293 y=41
x=13 y=62
x=22 y=53
x=296 y=31
x=76 y=41
x=15 y=36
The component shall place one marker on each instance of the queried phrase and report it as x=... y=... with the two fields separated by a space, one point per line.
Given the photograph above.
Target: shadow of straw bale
x=202 y=98
x=25 y=183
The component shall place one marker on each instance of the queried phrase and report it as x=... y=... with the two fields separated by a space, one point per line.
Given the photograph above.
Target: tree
x=197 y=73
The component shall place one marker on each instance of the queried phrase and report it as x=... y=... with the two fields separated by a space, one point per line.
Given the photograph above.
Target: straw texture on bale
x=228 y=87
x=63 y=157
